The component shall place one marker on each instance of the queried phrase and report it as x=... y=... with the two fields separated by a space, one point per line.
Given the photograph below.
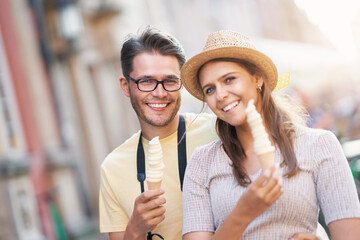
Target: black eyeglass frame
x=157 y=83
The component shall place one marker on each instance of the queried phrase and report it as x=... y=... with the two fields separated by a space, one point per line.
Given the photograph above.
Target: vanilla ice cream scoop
x=155 y=164
x=262 y=145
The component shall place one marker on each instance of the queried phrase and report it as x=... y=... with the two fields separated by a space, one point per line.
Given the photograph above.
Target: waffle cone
x=153 y=185
x=266 y=159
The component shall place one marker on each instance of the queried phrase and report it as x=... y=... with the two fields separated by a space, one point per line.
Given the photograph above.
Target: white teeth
x=228 y=107
x=154 y=105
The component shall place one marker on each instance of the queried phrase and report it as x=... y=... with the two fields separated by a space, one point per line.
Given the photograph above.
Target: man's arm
x=147 y=214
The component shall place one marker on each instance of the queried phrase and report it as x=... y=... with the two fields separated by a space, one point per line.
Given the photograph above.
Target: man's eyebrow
x=146 y=76
x=172 y=76
x=165 y=76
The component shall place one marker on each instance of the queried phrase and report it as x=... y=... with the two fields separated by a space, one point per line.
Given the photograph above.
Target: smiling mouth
x=230 y=106
x=157 y=105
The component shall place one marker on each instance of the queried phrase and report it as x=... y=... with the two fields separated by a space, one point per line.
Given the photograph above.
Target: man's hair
x=151 y=40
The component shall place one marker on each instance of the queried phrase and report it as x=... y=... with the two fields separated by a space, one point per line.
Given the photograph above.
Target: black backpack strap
x=140 y=165
x=150 y=235
x=140 y=162
x=182 y=159
x=181 y=149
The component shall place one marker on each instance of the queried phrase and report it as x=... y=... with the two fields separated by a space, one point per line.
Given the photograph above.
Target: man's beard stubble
x=137 y=108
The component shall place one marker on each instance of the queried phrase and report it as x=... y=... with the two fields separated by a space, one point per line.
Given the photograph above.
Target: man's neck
x=149 y=131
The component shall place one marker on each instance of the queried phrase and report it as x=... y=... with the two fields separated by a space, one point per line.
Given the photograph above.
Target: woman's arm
x=345 y=229
x=197 y=235
x=116 y=235
x=259 y=196
x=336 y=190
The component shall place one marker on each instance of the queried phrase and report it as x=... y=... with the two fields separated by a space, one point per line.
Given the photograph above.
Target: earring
x=259 y=87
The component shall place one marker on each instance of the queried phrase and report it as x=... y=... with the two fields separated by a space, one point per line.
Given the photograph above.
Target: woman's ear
x=125 y=86
x=259 y=80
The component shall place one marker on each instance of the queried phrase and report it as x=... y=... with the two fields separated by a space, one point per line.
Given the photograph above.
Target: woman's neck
x=250 y=162
x=245 y=137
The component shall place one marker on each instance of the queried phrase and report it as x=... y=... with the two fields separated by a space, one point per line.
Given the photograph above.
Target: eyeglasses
x=150 y=84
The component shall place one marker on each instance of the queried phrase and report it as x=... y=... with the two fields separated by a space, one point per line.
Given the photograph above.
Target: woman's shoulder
x=203 y=159
x=313 y=146
x=205 y=154
x=209 y=148
x=309 y=135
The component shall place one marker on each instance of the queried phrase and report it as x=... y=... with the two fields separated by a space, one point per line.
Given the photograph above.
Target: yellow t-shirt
x=119 y=185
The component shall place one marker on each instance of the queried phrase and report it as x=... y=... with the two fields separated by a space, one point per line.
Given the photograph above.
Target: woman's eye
x=229 y=79
x=209 y=90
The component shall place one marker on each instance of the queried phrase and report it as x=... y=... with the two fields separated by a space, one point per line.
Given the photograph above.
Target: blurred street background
x=62 y=110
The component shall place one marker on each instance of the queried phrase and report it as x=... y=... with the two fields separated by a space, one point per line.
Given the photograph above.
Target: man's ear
x=125 y=86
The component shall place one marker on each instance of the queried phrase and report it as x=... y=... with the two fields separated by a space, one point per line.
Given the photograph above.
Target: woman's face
x=227 y=88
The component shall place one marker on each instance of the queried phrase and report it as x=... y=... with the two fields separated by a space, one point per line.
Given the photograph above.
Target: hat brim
x=190 y=69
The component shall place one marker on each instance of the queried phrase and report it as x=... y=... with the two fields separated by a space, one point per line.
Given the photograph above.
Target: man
x=151 y=66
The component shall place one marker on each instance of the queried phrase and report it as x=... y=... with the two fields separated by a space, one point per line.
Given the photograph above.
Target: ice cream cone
x=262 y=145
x=266 y=159
x=153 y=185
x=155 y=165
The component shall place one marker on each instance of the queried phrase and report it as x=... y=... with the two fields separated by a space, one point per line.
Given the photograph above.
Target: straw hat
x=226 y=44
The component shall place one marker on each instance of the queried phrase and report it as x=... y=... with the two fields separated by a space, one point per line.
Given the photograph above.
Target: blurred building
x=62 y=110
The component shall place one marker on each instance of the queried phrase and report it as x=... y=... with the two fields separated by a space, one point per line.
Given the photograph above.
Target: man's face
x=159 y=107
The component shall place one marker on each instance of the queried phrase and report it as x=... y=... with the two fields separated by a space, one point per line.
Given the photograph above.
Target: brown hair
x=276 y=118
x=150 y=40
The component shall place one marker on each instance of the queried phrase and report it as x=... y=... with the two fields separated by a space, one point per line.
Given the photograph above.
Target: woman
x=226 y=193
